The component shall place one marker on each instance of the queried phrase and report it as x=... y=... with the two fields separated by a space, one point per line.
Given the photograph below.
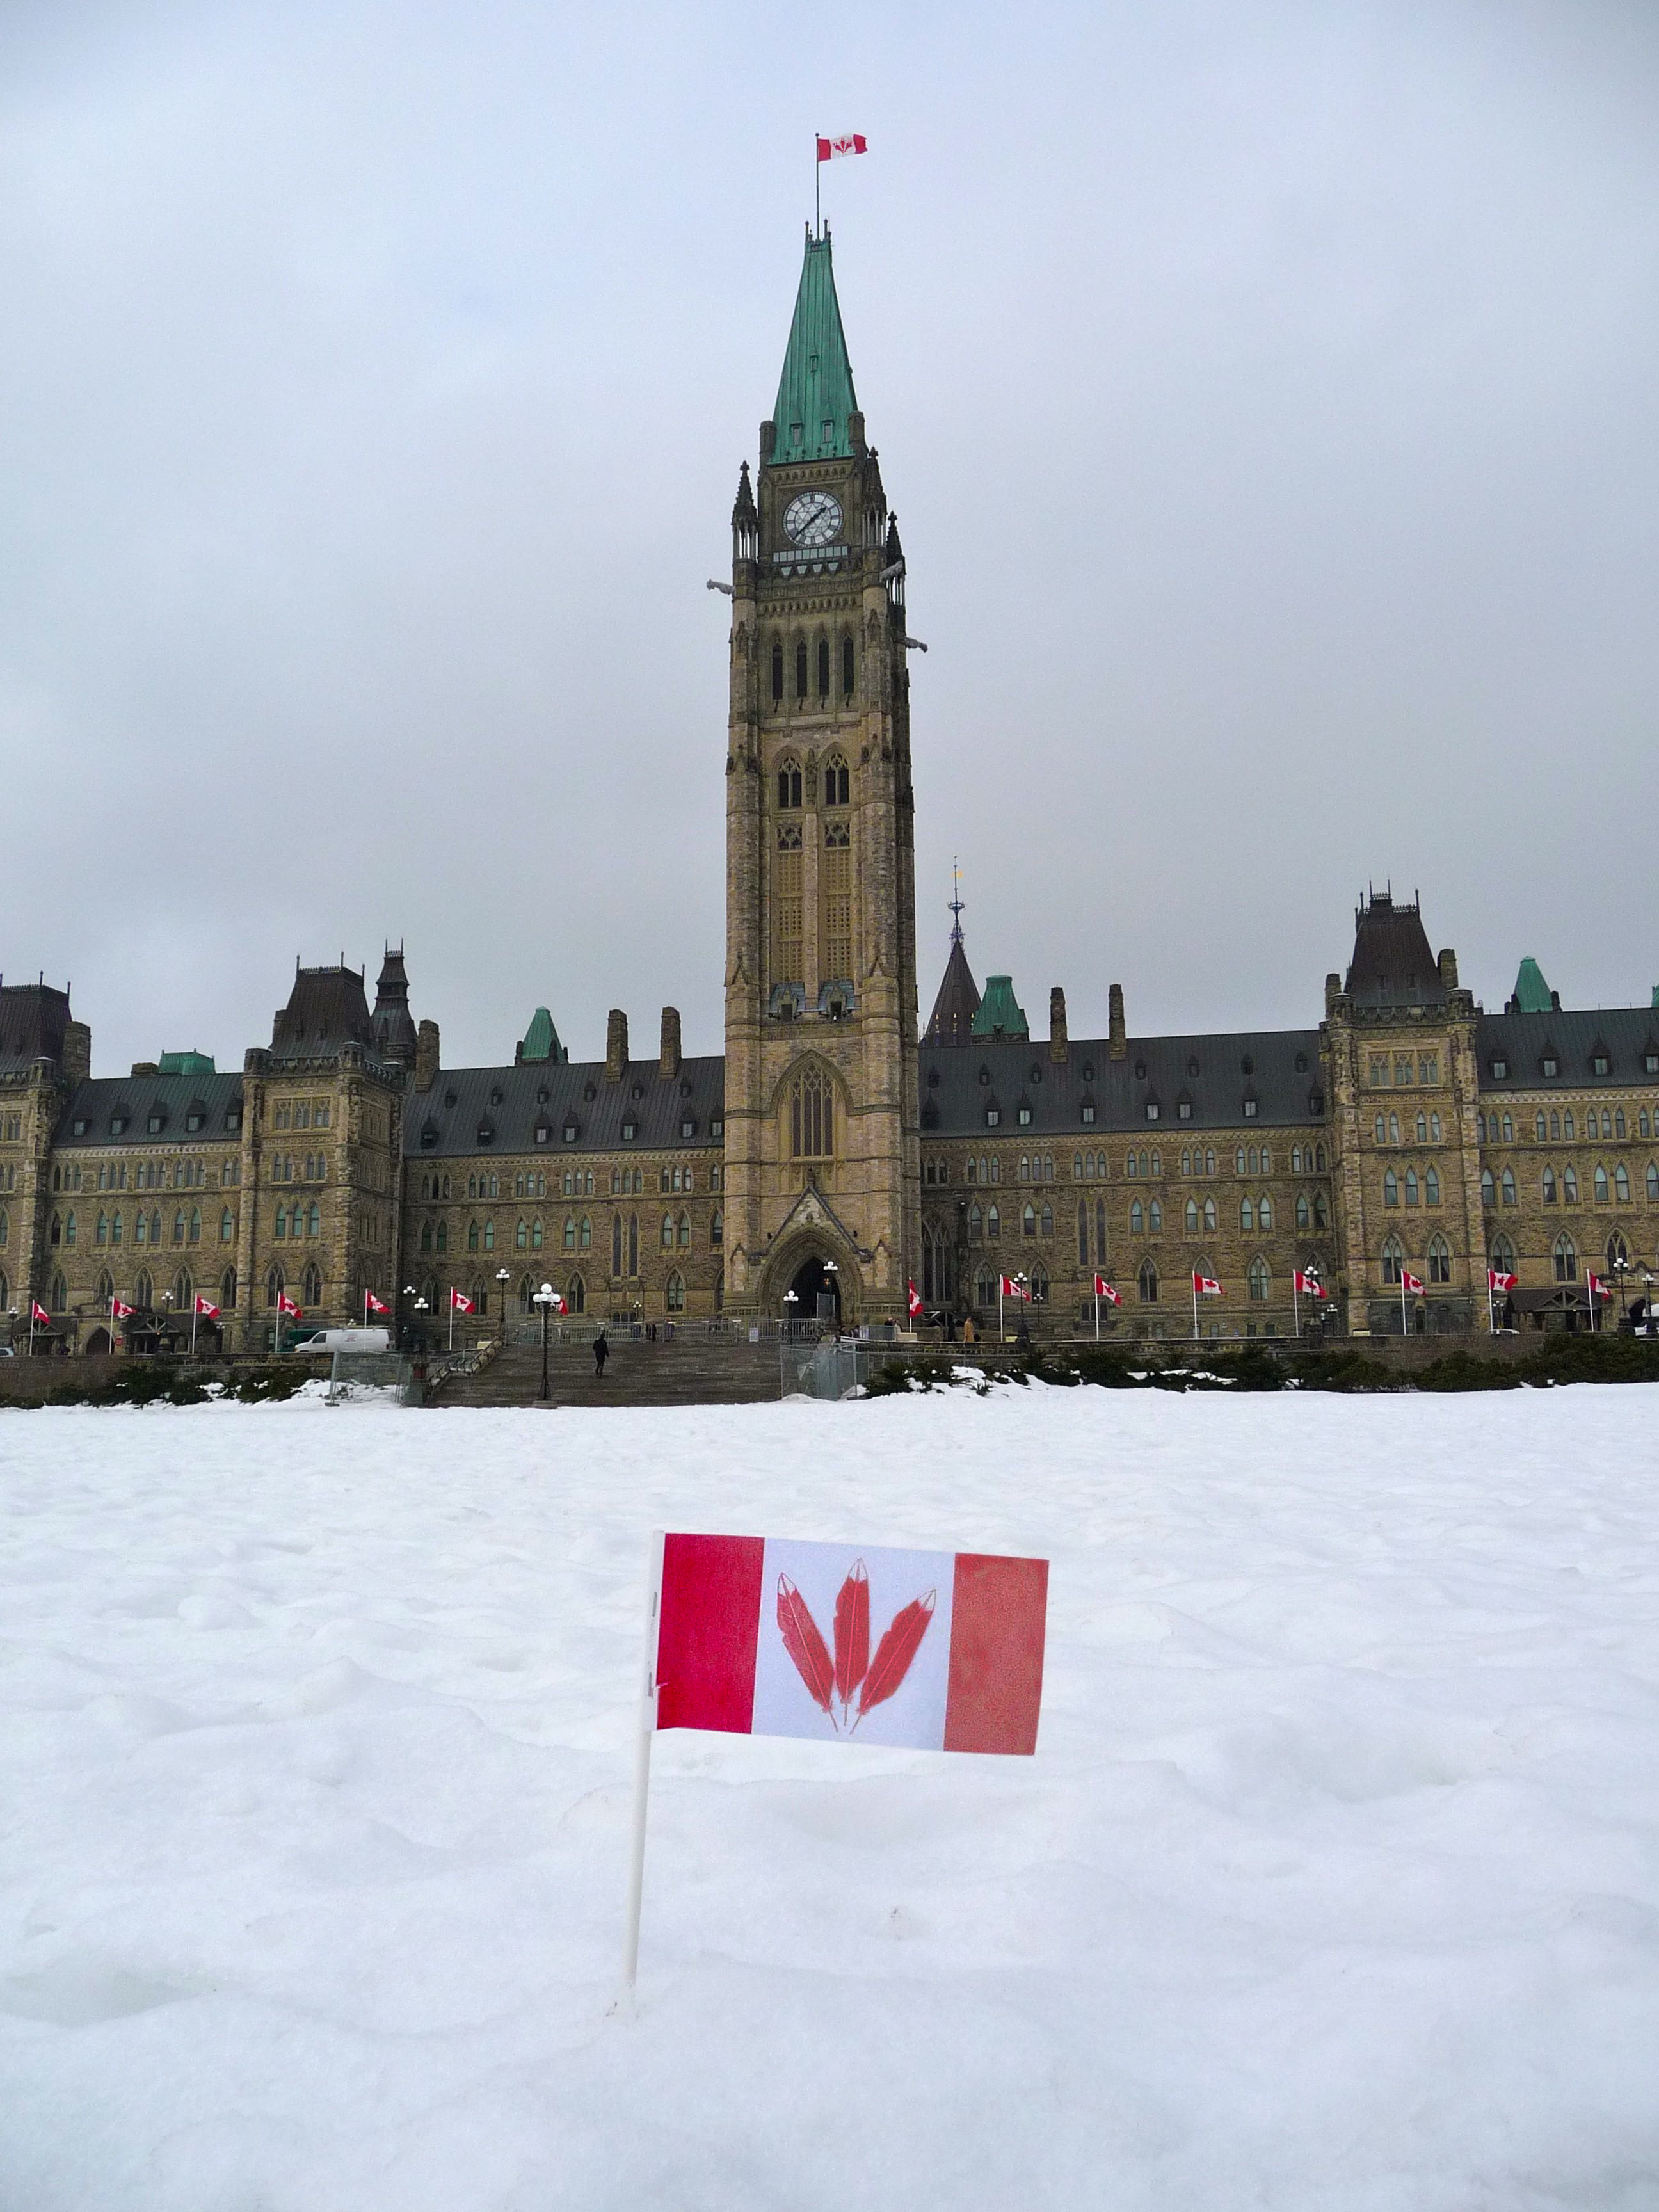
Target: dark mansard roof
x=474 y=1112
x=1392 y=964
x=95 y=1107
x=1626 y=1036
x=33 y=1019
x=1215 y=1076
x=326 y=1009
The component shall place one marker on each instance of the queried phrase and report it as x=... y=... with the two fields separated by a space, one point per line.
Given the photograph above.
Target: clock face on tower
x=812 y=518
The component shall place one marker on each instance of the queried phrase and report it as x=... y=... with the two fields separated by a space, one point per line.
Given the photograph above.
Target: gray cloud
x=1266 y=396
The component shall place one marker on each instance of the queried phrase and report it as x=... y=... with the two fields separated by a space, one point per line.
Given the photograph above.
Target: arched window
x=538 y=1234
x=1653 y=1185
x=227 y=1227
x=717 y=1228
x=1549 y=1186
x=823 y=668
x=1045 y=1222
x=1192 y=1217
x=104 y=1289
x=632 y=1243
x=1617 y=1254
x=184 y=1292
x=1264 y=1212
x=1411 y=1192
x=115 y=1226
x=315 y=1225
x=1506 y=1184
x=443 y=1236
x=472 y=1235
x=575 y=1295
x=685 y=1232
x=1620 y=1191
x=788 y=782
x=1155 y=1218
x=58 y=1296
x=1394 y=1128
x=674 y=1289
x=1439 y=1259
x=1028 y=1221
x=993 y=1226
x=667 y=1233
x=1391 y=1188
x=1259 y=1280
x=1319 y=1159
x=1566 y=1259
x=1394 y=1258
x=837 y=785
x=849 y=667
x=1146 y=1282
x=1431 y=1186
x=1503 y=1256
x=195 y=1224
x=1570 y=1184
x=1246 y=1213
x=1488 y=1188
x=1601 y=1189
x=777 y=668
x=974 y=1221
x=227 y=1290
x=1082 y=1234
x=985 y=1287
x=489 y=1234
x=1210 y=1215
x=813 y=1116
x=1137 y=1217
x=800 y=668
x=1039 y=1282
x=1422 y=1128
x=1302 y=1209
x=313 y=1288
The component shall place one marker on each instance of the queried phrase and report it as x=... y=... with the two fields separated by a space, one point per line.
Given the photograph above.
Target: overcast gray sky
x=1268 y=395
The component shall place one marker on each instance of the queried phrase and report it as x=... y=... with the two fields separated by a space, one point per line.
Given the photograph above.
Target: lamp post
x=790 y=1301
x=544 y=1298
x=833 y=1271
x=503 y=1277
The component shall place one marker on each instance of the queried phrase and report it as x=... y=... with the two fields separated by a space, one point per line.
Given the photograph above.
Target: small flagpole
x=195 y=1314
x=451 y=1317
x=1194 y=1305
x=647 y=1729
x=1492 y=1318
x=1002 y=1327
x=1296 y=1306
x=1404 y=1331
x=817 y=172
x=1096 y=1309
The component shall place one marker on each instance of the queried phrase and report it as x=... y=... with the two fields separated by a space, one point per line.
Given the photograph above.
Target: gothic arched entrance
x=816 y=1288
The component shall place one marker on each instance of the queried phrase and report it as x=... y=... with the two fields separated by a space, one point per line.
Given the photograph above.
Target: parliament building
x=840 y=1149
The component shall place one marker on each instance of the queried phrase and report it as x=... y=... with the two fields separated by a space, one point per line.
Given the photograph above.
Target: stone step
x=692 y=1370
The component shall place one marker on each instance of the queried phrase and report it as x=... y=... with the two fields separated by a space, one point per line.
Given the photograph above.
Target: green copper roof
x=186 y=1063
x=1532 y=993
x=815 y=393
x=541 y=1039
x=998 y=1013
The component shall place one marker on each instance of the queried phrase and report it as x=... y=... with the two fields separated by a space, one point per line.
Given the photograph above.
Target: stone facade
x=832 y=1157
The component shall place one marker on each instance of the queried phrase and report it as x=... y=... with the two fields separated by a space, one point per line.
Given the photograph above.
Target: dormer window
x=717 y=1127
x=80 y=1129
x=117 y=1124
x=1154 y=1111
x=544 y=1132
x=1500 y=1068
x=156 y=1122
x=1141 y=1070
x=1249 y=1106
x=1551 y=1066
x=234 y=1120
x=1247 y=1066
x=486 y=1133
x=589 y=1092
x=541 y=1094
x=428 y=1135
x=572 y=1130
x=1088 y=1070
x=1184 y=1109
x=1601 y=1064
x=1088 y=1110
x=193 y=1121
x=993 y=1115
x=688 y=1126
x=1023 y=1112
x=630 y=1129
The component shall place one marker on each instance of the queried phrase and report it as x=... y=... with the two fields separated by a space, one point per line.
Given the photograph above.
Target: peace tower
x=821 y=1164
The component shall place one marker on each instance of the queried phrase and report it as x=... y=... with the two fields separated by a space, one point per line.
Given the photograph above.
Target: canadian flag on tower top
x=850 y=142
x=1107 y=1291
x=931 y=1650
x=1206 y=1286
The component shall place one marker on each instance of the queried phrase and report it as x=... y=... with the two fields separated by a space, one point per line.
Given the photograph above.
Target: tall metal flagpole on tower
x=818 y=211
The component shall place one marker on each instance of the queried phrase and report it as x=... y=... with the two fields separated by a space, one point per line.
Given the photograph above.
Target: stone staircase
x=694 y=1370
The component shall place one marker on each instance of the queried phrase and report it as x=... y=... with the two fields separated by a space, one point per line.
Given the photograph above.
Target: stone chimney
x=1059 y=1045
x=1117 y=1037
x=1448 y=969
x=147 y=1067
x=77 y=1052
x=616 y=1046
x=426 y=1055
x=668 y=1052
x=1332 y=992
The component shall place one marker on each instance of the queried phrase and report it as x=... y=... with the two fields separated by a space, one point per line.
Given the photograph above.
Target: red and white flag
x=286 y=1305
x=1309 y=1286
x=1497 y=1280
x=850 y=142
x=119 y=1312
x=371 y=1304
x=1593 y=1283
x=1409 y=1283
x=206 y=1308
x=931 y=1650
x=39 y=1314
x=1011 y=1289
x=1107 y=1291
x=913 y=1301
x=459 y=1300
x=1206 y=1286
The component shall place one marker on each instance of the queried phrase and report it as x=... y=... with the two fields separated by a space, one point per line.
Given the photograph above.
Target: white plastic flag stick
x=1194 y=1305
x=647 y=1729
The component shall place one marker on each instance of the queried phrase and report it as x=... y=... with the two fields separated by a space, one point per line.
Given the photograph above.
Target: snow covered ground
x=1335 y=1882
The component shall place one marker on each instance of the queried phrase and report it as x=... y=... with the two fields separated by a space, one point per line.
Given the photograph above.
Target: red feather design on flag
x=895 y=1652
x=852 y=1632
x=804 y=1645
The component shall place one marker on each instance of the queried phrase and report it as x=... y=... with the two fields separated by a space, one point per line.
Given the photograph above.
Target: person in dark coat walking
x=601 y=1354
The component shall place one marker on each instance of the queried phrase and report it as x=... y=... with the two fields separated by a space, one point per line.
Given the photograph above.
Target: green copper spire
x=1532 y=993
x=540 y=1041
x=816 y=398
